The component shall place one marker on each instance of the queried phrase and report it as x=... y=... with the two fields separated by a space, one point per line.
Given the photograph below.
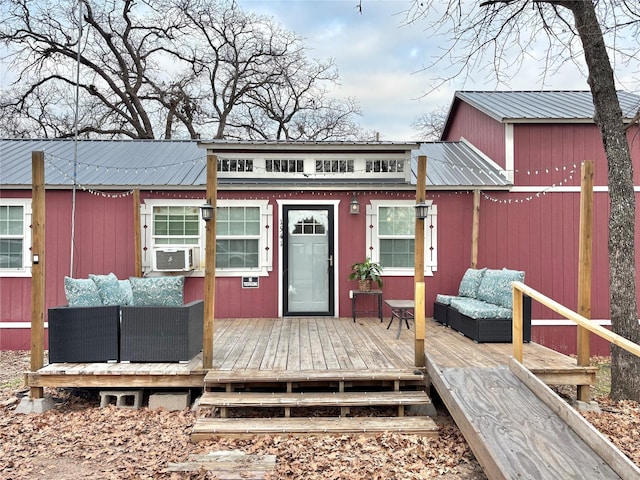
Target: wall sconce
x=354 y=205
x=422 y=210
x=206 y=211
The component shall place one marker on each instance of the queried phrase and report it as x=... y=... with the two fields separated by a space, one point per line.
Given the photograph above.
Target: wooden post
x=210 y=265
x=517 y=324
x=37 y=267
x=584 y=271
x=137 y=241
x=475 y=229
x=420 y=323
x=419 y=288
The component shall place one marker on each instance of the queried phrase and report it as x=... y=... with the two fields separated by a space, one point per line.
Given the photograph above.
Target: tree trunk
x=625 y=367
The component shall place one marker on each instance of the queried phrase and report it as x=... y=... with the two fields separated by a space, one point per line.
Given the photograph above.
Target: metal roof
x=457 y=165
x=102 y=163
x=113 y=164
x=542 y=105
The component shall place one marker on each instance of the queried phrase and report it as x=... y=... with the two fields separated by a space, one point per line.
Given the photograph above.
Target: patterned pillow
x=471 y=282
x=158 y=291
x=496 y=286
x=125 y=285
x=111 y=293
x=81 y=292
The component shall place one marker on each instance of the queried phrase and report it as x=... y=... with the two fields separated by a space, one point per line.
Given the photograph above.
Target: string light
x=135 y=170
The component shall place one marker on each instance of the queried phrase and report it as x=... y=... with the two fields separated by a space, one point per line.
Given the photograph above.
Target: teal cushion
x=478 y=309
x=158 y=291
x=445 y=299
x=125 y=285
x=496 y=286
x=471 y=282
x=111 y=293
x=81 y=292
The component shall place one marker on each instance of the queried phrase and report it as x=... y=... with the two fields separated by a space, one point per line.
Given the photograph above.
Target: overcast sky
x=380 y=60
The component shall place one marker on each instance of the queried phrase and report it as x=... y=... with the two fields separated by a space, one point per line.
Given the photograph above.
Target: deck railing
x=520 y=289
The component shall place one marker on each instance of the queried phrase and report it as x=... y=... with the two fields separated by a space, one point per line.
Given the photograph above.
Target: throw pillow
x=471 y=282
x=81 y=292
x=128 y=293
x=158 y=291
x=111 y=293
x=496 y=286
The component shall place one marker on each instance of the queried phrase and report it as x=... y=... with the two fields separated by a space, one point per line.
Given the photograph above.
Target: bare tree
x=232 y=54
x=431 y=125
x=122 y=50
x=163 y=68
x=569 y=26
x=298 y=106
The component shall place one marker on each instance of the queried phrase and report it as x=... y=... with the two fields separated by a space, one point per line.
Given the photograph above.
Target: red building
x=287 y=227
x=541 y=139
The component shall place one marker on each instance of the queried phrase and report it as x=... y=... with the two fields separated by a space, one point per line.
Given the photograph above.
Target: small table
x=403 y=310
x=354 y=296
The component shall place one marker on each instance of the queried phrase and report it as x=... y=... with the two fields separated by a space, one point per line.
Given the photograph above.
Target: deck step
x=279 y=376
x=206 y=428
x=313 y=399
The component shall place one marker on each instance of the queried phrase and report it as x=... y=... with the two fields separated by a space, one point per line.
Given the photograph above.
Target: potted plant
x=366 y=273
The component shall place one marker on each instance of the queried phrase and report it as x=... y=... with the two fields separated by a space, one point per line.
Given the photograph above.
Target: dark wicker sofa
x=482 y=310
x=125 y=333
x=84 y=334
x=161 y=334
x=135 y=320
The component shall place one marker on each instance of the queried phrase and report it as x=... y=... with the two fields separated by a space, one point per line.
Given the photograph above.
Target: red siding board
x=563 y=338
x=482 y=131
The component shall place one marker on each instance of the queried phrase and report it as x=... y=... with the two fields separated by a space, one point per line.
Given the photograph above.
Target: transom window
x=235 y=165
x=383 y=166
x=334 y=166
x=285 y=166
x=15 y=237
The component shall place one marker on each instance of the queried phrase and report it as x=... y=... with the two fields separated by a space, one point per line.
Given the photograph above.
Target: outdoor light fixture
x=354 y=206
x=206 y=211
x=422 y=210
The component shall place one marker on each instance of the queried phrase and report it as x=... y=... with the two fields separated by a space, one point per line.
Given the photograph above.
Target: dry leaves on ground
x=79 y=440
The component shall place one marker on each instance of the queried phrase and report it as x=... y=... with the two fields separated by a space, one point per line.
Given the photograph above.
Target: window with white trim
x=15 y=237
x=391 y=236
x=243 y=240
x=238 y=237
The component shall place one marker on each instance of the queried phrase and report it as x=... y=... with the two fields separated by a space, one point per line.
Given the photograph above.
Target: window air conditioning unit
x=173 y=260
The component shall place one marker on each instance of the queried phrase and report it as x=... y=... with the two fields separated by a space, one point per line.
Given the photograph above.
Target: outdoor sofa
x=134 y=320
x=483 y=308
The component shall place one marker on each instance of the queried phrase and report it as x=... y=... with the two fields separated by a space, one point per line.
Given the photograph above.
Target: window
x=391 y=241
x=235 y=165
x=176 y=226
x=15 y=237
x=396 y=236
x=284 y=166
x=237 y=237
x=243 y=243
x=334 y=166
x=384 y=166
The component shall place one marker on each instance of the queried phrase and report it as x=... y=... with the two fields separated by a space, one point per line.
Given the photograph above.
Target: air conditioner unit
x=173 y=260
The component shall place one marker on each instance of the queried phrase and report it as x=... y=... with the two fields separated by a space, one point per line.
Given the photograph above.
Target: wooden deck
x=448 y=349
x=311 y=345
